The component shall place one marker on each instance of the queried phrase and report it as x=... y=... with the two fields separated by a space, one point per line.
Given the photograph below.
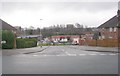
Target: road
x=61 y=60
x=0 y=62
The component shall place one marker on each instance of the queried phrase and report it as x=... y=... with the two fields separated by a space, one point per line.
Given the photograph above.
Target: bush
x=7 y=36
x=26 y=43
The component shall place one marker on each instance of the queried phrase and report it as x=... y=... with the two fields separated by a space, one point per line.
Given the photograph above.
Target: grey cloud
x=59 y=6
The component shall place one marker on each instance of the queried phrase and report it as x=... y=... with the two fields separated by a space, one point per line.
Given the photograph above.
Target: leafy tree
x=96 y=36
x=30 y=30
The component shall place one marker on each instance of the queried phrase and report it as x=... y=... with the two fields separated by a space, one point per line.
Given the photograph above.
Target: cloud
x=59 y=0
x=29 y=13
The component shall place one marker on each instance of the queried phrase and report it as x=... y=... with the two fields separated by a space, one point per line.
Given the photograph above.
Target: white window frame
x=115 y=29
x=110 y=29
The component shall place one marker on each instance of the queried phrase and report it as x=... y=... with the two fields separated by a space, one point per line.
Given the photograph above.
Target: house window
x=110 y=37
x=115 y=29
x=110 y=29
x=103 y=37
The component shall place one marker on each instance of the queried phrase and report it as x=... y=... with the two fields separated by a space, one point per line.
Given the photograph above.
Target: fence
x=103 y=43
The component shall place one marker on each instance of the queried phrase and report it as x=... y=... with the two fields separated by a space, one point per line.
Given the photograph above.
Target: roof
x=110 y=23
x=6 y=26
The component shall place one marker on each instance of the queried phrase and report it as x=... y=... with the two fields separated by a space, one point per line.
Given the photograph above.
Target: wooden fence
x=103 y=43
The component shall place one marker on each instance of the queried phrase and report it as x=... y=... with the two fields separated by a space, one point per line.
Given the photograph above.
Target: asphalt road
x=0 y=62
x=61 y=60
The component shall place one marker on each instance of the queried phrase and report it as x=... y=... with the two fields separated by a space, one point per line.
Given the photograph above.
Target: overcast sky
x=26 y=14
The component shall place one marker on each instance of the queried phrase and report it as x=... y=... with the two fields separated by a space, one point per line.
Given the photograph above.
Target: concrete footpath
x=23 y=50
x=97 y=49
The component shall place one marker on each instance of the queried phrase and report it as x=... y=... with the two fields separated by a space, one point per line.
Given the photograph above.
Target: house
x=109 y=29
x=5 y=26
x=70 y=25
x=19 y=30
x=66 y=38
x=87 y=36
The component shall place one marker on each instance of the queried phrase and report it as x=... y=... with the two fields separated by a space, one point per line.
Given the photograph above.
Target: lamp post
x=40 y=36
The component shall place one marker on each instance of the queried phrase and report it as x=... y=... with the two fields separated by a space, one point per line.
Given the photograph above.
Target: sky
x=45 y=13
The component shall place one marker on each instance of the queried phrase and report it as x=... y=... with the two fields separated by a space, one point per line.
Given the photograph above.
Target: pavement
x=97 y=48
x=22 y=51
x=61 y=60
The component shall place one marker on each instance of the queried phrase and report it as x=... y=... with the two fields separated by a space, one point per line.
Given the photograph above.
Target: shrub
x=26 y=43
x=7 y=36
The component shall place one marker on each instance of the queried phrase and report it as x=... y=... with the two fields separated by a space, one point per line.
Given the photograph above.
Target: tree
x=96 y=36
x=30 y=30
x=78 y=25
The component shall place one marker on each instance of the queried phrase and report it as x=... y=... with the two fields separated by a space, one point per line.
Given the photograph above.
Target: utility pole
x=40 y=37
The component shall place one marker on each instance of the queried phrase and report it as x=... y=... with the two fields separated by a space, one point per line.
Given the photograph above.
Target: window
x=110 y=29
x=103 y=37
x=110 y=37
x=115 y=29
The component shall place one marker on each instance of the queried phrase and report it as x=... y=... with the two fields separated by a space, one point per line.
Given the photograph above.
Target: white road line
x=112 y=54
x=61 y=55
x=40 y=52
x=58 y=55
x=44 y=55
x=92 y=54
x=35 y=55
x=66 y=52
x=20 y=55
x=82 y=54
x=71 y=54
x=102 y=54
x=95 y=52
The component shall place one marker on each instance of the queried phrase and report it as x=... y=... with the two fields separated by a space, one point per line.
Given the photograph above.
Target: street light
x=40 y=36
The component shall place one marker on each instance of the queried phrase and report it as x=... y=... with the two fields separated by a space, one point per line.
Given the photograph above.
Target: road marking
x=40 y=52
x=35 y=55
x=102 y=54
x=112 y=54
x=61 y=55
x=92 y=54
x=82 y=54
x=71 y=54
x=66 y=52
x=20 y=55
x=95 y=52
x=58 y=55
x=44 y=55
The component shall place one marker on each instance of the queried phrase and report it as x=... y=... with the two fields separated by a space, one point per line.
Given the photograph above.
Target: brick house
x=5 y=26
x=87 y=36
x=109 y=29
x=65 y=38
x=108 y=34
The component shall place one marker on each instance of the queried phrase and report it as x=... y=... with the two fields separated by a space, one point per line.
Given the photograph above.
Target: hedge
x=7 y=36
x=26 y=43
